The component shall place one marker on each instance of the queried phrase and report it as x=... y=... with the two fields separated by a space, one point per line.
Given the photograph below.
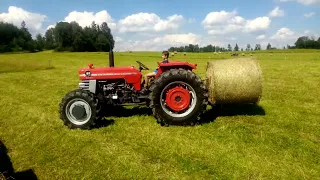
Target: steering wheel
x=142 y=65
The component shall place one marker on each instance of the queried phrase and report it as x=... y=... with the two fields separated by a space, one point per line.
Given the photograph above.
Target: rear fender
x=174 y=65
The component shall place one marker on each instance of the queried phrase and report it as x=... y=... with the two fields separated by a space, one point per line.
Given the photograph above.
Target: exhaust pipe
x=111 y=58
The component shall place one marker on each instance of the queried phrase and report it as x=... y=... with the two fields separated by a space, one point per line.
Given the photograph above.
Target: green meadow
x=279 y=139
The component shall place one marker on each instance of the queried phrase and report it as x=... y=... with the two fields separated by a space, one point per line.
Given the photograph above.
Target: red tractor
x=177 y=96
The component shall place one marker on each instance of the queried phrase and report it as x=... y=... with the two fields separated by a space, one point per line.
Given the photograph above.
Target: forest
x=63 y=37
x=72 y=37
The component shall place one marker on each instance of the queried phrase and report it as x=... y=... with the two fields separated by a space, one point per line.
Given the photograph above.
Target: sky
x=156 y=25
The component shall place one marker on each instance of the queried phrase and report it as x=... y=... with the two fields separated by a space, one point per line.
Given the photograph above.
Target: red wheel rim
x=178 y=99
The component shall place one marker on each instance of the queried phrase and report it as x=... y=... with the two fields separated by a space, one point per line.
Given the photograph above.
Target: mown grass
x=278 y=140
x=10 y=63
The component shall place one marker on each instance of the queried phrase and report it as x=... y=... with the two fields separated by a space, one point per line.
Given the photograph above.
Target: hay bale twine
x=234 y=81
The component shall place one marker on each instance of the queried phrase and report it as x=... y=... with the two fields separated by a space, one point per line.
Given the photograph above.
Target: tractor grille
x=84 y=85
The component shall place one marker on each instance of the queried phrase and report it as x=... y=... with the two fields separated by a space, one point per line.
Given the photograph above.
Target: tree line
x=63 y=37
x=211 y=48
x=72 y=37
x=303 y=42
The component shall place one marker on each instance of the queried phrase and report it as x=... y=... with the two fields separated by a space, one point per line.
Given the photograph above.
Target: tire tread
x=167 y=77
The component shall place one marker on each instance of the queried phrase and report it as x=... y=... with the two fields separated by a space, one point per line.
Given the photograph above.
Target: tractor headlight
x=88 y=73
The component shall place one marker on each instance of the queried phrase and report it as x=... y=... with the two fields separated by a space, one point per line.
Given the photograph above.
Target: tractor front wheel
x=78 y=109
x=178 y=97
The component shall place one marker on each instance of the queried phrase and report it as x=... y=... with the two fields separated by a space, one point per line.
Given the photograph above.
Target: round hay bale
x=234 y=81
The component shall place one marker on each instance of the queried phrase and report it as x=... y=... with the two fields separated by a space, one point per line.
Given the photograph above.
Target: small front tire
x=78 y=109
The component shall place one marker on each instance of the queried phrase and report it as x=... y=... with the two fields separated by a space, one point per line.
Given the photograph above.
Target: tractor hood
x=107 y=72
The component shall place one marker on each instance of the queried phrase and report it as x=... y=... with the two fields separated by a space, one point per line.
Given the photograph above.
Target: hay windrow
x=234 y=81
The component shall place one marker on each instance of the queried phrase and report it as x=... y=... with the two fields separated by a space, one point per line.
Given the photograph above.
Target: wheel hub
x=79 y=112
x=178 y=98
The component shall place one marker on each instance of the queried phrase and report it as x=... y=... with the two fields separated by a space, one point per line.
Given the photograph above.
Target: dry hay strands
x=234 y=81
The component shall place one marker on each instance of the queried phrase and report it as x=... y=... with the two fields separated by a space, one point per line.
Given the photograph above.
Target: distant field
x=278 y=140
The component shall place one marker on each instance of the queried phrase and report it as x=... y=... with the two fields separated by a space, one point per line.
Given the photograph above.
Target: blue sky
x=156 y=25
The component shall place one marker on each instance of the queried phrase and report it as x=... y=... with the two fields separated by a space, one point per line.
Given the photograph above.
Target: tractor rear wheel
x=78 y=109
x=178 y=97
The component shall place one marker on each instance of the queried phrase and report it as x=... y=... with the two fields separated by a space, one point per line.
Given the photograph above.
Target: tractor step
x=132 y=104
x=143 y=96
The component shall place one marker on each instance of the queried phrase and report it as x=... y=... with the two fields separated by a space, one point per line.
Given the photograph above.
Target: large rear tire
x=78 y=109
x=178 y=97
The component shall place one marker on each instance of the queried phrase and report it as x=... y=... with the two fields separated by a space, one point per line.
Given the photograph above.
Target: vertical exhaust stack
x=111 y=58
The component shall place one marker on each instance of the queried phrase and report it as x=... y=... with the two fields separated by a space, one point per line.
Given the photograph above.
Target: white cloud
x=276 y=12
x=166 y=41
x=159 y=43
x=218 y=23
x=304 y=2
x=149 y=22
x=261 y=37
x=308 y=15
x=50 y=26
x=118 y=39
x=141 y=22
x=213 y=40
x=153 y=30
x=179 y=39
x=257 y=25
x=218 y=17
x=284 y=34
x=86 y=18
x=16 y=15
x=310 y=34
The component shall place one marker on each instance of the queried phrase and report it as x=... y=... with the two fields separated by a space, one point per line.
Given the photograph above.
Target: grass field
x=278 y=140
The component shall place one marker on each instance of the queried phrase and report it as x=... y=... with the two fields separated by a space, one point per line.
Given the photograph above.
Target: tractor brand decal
x=88 y=73
x=111 y=74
